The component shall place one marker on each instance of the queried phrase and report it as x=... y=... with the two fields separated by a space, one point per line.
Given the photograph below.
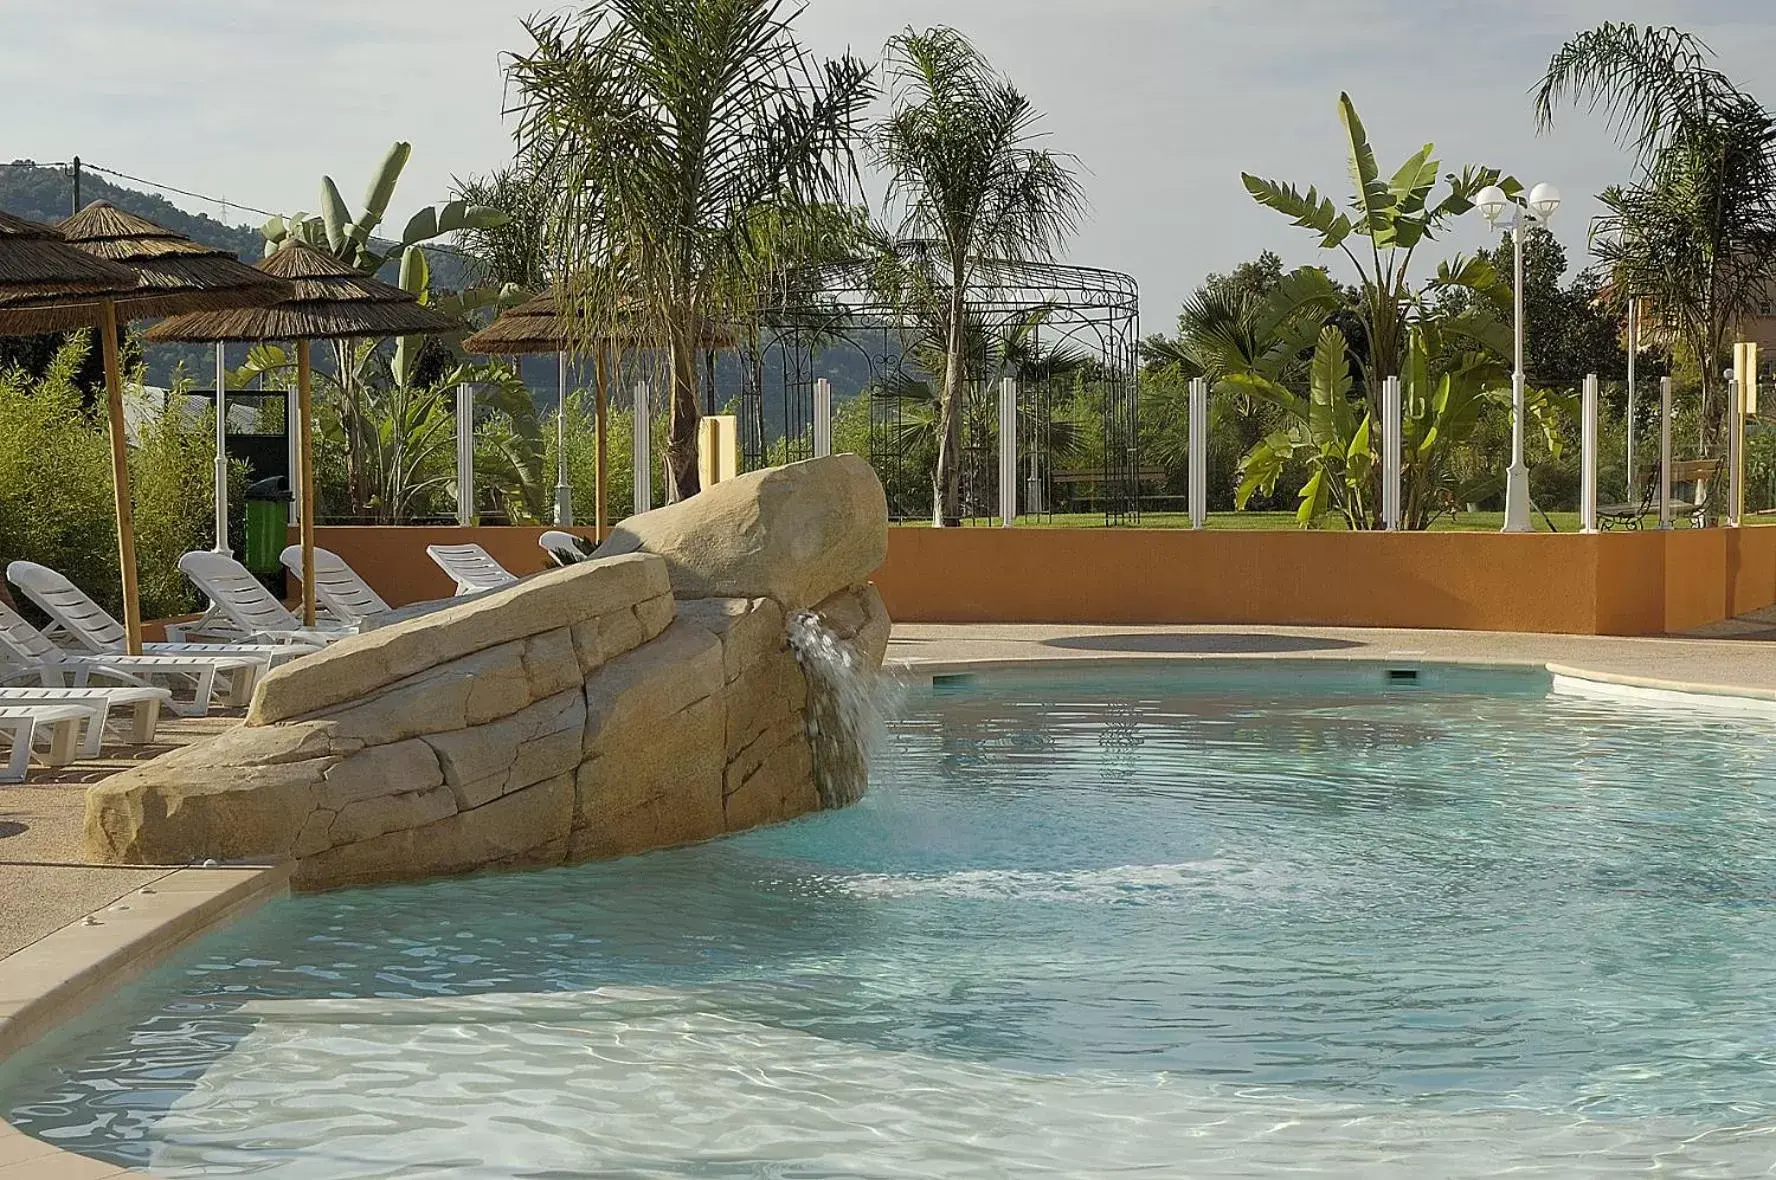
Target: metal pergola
x=1069 y=335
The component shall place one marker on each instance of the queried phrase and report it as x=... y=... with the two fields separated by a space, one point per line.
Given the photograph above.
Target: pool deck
x=1708 y=665
x=71 y=933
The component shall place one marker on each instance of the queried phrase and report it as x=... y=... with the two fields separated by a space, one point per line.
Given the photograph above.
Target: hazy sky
x=1164 y=101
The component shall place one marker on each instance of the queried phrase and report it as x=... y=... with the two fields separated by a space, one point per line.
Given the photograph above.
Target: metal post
x=1391 y=419
x=465 y=454
x=1588 y=455
x=1008 y=451
x=75 y=204
x=1517 y=478
x=644 y=459
x=221 y=453
x=1199 y=453
x=1664 y=452
x=564 y=512
x=822 y=418
x=1735 y=452
x=1633 y=350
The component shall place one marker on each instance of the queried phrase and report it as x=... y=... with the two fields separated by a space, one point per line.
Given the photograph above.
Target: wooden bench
x=1694 y=472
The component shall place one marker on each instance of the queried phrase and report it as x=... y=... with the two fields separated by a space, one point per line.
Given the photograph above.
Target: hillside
x=45 y=194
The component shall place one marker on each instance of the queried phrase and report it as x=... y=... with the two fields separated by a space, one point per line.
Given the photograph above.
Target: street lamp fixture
x=1540 y=206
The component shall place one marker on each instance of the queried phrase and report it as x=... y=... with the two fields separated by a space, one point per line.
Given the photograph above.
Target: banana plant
x=1397 y=214
x=1443 y=401
x=351 y=239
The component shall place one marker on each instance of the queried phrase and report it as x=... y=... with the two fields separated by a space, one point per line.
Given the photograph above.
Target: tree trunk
x=946 y=480
x=681 y=442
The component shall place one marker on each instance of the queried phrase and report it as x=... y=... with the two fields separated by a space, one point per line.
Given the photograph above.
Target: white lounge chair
x=346 y=597
x=472 y=567
x=25 y=653
x=240 y=606
x=75 y=616
x=139 y=702
x=565 y=548
x=23 y=723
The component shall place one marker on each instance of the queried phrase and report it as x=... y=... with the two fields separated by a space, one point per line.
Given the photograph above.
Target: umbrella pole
x=305 y=432
x=599 y=450
x=120 y=485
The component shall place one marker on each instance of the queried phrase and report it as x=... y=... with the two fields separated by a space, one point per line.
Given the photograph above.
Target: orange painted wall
x=1645 y=583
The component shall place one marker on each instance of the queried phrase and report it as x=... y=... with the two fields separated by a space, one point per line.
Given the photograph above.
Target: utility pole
x=76 y=206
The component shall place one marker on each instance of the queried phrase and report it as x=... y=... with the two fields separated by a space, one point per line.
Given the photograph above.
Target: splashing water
x=844 y=708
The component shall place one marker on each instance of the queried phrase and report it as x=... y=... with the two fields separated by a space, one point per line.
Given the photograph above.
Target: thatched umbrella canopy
x=539 y=326
x=173 y=275
x=168 y=274
x=331 y=301
x=36 y=262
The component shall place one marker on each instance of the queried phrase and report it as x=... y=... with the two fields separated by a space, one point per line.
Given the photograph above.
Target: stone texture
x=656 y=781
x=486 y=761
x=794 y=534
x=220 y=811
x=528 y=827
x=860 y=617
x=584 y=712
x=363 y=664
x=779 y=785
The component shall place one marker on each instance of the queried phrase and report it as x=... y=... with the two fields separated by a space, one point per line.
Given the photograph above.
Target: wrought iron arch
x=1078 y=373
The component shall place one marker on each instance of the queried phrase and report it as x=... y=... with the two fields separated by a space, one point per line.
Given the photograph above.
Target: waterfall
x=844 y=708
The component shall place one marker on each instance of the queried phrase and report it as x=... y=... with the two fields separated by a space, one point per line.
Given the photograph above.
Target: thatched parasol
x=167 y=274
x=37 y=262
x=173 y=275
x=332 y=301
x=538 y=326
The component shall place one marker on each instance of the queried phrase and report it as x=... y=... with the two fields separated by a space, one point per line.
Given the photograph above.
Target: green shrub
x=55 y=479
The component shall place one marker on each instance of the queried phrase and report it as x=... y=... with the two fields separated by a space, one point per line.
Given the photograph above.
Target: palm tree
x=676 y=129
x=958 y=151
x=1696 y=230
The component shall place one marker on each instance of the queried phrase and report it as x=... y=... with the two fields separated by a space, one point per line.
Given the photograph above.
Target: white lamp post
x=1541 y=205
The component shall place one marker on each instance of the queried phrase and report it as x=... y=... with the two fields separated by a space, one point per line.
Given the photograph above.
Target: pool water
x=1180 y=922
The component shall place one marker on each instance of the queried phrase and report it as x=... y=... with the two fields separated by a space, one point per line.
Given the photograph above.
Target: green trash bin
x=268 y=517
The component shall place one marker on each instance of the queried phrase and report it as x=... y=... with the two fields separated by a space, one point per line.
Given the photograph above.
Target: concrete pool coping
x=57 y=978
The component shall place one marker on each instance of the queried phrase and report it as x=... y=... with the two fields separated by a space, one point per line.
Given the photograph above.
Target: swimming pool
x=1204 y=920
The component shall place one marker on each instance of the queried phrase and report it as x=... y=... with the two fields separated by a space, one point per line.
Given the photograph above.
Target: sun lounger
x=345 y=596
x=240 y=606
x=26 y=654
x=24 y=723
x=472 y=568
x=76 y=617
x=565 y=548
x=140 y=703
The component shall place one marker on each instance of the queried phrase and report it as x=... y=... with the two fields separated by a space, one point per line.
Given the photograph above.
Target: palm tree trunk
x=946 y=480
x=681 y=442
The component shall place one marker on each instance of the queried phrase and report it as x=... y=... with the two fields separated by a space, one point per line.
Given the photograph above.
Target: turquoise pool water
x=1166 y=923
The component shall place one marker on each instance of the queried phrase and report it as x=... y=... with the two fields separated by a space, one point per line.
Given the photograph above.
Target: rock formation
x=643 y=699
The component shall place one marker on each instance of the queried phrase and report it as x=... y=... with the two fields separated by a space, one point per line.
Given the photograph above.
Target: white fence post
x=1735 y=452
x=564 y=511
x=1008 y=451
x=644 y=451
x=1392 y=419
x=465 y=454
x=1665 y=452
x=822 y=418
x=1199 y=452
x=1588 y=455
x=221 y=453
